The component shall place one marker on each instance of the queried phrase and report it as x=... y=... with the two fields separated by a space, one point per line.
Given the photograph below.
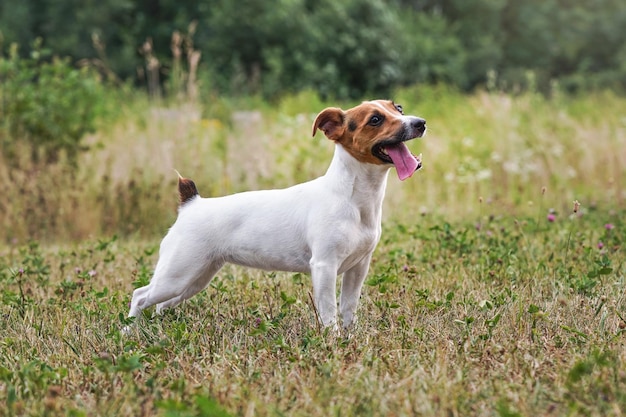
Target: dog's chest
x=357 y=243
x=365 y=241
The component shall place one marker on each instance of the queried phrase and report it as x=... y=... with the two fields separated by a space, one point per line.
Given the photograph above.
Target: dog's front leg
x=324 y=277
x=351 y=291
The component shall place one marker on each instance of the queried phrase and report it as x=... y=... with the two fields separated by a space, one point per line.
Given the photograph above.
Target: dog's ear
x=330 y=121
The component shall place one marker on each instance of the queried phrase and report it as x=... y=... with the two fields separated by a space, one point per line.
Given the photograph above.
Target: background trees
x=347 y=48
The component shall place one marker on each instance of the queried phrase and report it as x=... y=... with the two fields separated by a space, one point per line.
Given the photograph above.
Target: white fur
x=325 y=227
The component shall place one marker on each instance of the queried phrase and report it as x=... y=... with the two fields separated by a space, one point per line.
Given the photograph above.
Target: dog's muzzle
x=394 y=151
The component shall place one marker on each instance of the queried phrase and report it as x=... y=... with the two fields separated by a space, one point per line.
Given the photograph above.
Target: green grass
x=487 y=294
x=515 y=317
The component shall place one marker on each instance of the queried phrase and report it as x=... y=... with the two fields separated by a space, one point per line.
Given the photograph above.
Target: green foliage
x=338 y=49
x=47 y=103
x=566 y=43
x=344 y=49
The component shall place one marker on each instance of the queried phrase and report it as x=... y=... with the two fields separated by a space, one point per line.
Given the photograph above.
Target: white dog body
x=325 y=227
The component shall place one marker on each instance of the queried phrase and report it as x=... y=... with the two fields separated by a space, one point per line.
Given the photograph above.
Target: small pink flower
x=600 y=245
x=551 y=217
x=609 y=226
x=92 y=273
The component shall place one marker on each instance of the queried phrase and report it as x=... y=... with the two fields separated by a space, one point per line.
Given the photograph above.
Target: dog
x=326 y=227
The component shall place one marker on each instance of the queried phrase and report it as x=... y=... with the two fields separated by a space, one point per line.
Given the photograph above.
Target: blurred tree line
x=346 y=48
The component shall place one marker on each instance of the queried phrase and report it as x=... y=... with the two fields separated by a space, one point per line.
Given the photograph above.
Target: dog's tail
x=186 y=189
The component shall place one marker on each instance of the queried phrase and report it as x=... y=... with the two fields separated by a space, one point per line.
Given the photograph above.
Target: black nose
x=418 y=123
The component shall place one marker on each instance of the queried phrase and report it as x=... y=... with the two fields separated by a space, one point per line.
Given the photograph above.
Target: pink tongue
x=405 y=162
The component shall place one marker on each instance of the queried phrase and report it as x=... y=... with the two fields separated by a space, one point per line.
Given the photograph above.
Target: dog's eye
x=399 y=108
x=375 y=120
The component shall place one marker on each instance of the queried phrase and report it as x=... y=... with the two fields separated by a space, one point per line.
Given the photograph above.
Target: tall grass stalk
x=571 y=229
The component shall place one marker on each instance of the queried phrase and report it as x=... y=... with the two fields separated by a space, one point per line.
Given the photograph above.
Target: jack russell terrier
x=325 y=227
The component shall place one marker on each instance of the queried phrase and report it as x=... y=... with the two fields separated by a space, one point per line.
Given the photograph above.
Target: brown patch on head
x=365 y=125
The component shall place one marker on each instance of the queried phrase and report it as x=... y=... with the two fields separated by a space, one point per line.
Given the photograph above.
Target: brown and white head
x=374 y=132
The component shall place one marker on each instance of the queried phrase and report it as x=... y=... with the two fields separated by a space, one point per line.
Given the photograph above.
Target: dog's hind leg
x=138 y=301
x=198 y=285
x=173 y=284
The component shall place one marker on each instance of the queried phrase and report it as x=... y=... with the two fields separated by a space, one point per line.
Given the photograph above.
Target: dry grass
x=501 y=148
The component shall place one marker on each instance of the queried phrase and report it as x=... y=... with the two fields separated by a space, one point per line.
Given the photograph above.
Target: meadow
x=498 y=287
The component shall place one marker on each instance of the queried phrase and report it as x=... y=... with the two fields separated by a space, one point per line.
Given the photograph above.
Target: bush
x=47 y=104
x=347 y=49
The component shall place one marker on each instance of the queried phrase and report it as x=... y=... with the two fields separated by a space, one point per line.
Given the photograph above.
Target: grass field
x=488 y=294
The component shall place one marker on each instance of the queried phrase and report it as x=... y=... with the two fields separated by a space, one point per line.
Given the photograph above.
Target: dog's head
x=374 y=132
